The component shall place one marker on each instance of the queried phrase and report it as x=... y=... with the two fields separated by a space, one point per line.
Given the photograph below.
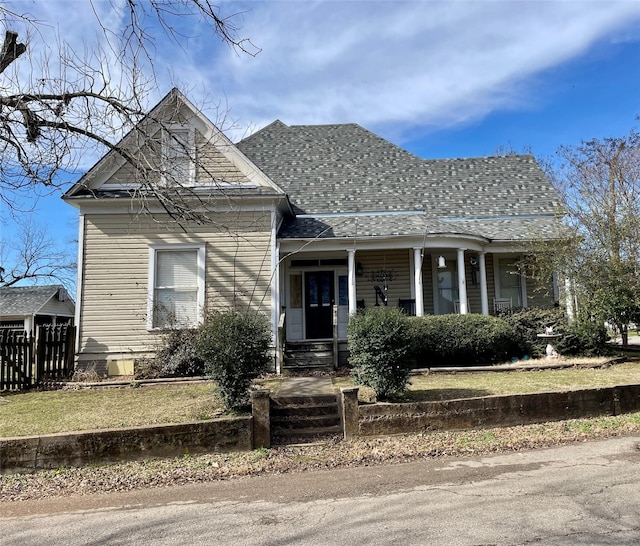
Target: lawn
x=47 y=412
x=448 y=386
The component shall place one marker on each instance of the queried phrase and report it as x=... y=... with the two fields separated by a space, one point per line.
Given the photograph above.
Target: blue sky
x=441 y=79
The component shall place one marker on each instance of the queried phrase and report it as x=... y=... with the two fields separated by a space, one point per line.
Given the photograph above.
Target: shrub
x=378 y=349
x=584 y=337
x=235 y=350
x=176 y=357
x=462 y=340
x=530 y=322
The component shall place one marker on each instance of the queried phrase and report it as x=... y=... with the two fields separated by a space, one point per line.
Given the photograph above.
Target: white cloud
x=408 y=64
x=381 y=64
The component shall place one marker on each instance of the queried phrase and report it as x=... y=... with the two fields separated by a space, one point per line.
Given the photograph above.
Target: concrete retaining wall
x=490 y=411
x=30 y=453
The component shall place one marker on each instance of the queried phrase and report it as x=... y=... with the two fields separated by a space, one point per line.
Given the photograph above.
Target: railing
x=26 y=360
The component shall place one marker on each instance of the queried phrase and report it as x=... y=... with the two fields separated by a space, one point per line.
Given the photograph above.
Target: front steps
x=308 y=356
x=304 y=419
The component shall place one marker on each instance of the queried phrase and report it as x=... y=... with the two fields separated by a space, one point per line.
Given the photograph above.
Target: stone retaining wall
x=31 y=453
x=491 y=411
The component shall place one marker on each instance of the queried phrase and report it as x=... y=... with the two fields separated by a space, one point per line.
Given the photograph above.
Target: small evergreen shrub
x=530 y=322
x=584 y=337
x=176 y=357
x=378 y=350
x=462 y=340
x=235 y=349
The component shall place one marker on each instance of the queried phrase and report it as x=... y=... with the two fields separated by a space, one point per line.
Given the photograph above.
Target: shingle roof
x=25 y=300
x=348 y=170
x=417 y=224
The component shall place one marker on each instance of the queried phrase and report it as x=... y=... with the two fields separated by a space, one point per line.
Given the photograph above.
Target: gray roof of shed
x=25 y=300
x=348 y=170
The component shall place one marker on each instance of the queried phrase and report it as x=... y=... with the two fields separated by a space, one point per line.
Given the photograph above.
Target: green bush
x=378 y=349
x=235 y=350
x=530 y=322
x=176 y=357
x=462 y=340
x=581 y=337
x=584 y=337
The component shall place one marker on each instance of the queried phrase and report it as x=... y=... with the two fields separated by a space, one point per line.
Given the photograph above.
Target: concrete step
x=305 y=422
x=303 y=400
x=290 y=436
x=296 y=418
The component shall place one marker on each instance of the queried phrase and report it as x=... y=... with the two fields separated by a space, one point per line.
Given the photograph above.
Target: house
x=294 y=221
x=24 y=308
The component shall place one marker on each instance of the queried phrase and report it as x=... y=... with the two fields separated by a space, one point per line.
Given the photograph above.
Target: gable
x=214 y=160
x=32 y=300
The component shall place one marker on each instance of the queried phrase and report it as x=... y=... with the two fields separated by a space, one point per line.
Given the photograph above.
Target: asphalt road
x=587 y=493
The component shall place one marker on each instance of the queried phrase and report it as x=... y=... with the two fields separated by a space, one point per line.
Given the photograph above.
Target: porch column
x=484 y=296
x=462 y=283
x=417 y=276
x=352 y=281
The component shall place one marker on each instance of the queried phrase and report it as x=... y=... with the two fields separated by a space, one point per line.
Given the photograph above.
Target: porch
x=419 y=281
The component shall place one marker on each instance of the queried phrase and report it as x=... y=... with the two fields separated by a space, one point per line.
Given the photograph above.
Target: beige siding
x=116 y=264
x=396 y=261
x=540 y=294
x=213 y=165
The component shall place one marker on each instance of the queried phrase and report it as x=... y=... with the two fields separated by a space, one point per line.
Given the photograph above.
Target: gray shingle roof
x=347 y=169
x=417 y=224
x=25 y=300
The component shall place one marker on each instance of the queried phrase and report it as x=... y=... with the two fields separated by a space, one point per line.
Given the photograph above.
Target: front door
x=319 y=300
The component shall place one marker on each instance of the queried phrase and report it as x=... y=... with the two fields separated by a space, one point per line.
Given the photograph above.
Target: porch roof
x=417 y=224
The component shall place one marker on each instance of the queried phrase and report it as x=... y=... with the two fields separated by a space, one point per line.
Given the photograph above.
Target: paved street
x=583 y=494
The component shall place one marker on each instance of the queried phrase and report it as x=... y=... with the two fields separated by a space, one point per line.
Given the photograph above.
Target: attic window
x=178 y=156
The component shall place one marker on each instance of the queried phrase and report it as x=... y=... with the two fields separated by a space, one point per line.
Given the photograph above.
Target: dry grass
x=48 y=412
x=35 y=413
x=449 y=386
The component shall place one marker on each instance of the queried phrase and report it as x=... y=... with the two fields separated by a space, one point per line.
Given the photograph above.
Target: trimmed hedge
x=462 y=340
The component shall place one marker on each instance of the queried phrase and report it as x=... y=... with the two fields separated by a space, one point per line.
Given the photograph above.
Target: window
x=509 y=281
x=178 y=153
x=176 y=287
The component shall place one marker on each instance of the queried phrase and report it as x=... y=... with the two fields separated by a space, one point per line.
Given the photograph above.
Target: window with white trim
x=178 y=155
x=176 y=286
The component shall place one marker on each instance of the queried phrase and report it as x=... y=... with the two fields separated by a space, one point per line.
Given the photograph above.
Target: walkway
x=305 y=386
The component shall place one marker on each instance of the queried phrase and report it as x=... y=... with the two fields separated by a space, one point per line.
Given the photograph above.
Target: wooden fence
x=26 y=359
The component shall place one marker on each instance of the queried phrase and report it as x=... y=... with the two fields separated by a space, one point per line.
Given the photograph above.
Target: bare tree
x=54 y=114
x=599 y=185
x=33 y=256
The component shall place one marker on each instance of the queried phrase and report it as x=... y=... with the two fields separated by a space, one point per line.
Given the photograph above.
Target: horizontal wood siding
x=540 y=294
x=116 y=261
x=212 y=165
x=427 y=284
x=394 y=260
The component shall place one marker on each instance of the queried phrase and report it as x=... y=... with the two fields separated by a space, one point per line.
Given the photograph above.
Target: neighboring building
x=26 y=307
x=305 y=217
